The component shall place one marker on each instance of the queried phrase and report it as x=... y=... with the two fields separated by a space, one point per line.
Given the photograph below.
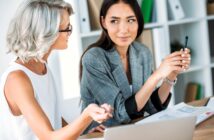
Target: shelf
x=90 y=34
x=185 y=21
x=210 y=17
x=153 y=25
x=212 y=62
x=195 y=68
x=212 y=65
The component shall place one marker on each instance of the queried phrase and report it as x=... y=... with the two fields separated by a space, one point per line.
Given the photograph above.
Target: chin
x=64 y=47
x=124 y=44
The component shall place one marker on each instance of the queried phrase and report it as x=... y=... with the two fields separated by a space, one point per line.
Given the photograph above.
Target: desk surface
x=203 y=131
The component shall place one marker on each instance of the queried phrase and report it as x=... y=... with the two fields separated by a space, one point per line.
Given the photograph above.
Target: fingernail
x=182 y=55
x=183 y=61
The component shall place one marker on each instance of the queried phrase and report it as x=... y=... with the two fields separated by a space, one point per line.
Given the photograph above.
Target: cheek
x=60 y=41
x=134 y=31
x=112 y=32
x=112 y=35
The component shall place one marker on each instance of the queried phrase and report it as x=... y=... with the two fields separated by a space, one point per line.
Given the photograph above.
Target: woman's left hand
x=186 y=60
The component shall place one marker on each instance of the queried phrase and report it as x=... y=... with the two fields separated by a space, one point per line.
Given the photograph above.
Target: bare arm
x=170 y=67
x=20 y=96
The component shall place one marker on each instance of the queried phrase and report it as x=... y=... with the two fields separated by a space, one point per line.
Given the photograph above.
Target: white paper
x=210 y=104
x=181 y=110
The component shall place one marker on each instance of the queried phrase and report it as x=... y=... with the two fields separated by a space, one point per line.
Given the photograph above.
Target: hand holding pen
x=186 y=57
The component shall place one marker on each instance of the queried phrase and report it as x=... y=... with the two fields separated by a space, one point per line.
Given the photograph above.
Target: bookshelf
x=198 y=24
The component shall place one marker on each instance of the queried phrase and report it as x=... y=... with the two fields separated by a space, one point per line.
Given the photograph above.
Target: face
x=121 y=24
x=65 y=30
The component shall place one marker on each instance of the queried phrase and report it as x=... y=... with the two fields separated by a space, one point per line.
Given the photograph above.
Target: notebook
x=173 y=129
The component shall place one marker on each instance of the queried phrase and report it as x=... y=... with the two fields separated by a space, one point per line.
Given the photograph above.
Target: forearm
x=145 y=92
x=165 y=88
x=73 y=130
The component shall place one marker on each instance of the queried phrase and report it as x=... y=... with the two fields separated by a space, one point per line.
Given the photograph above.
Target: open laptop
x=174 y=129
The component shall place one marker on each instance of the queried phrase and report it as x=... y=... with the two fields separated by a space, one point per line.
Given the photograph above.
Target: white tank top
x=15 y=127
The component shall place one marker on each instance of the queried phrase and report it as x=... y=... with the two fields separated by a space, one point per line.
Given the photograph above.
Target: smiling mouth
x=123 y=38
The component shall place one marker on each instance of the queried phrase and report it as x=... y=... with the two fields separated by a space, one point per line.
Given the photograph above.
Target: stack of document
x=183 y=110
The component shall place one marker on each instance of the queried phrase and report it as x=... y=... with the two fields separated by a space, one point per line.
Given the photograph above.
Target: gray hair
x=35 y=28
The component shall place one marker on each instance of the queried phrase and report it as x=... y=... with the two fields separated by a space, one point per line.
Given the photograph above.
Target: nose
x=123 y=27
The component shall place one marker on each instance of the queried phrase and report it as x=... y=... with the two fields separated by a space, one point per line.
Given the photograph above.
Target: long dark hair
x=104 y=41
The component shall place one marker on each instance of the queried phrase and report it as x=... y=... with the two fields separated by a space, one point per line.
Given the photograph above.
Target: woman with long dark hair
x=118 y=70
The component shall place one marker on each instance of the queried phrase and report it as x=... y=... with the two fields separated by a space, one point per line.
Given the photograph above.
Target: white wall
x=64 y=64
x=7 y=12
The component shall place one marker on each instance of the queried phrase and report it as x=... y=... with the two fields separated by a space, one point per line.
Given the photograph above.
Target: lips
x=124 y=38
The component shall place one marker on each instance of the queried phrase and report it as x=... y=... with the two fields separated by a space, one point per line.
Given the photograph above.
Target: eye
x=114 y=21
x=131 y=20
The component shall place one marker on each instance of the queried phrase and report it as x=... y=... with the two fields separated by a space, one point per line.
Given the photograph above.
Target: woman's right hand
x=99 y=113
x=174 y=63
x=100 y=128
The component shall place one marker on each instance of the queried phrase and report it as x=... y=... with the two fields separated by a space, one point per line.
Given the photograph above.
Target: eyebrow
x=131 y=17
x=113 y=17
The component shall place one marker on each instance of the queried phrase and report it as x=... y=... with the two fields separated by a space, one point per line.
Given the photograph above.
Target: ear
x=103 y=22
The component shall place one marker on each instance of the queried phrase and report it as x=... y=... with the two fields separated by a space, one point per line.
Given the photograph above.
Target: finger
x=106 y=107
x=186 y=50
x=177 y=58
x=177 y=53
x=100 y=110
x=102 y=126
x=178 y=69
x=186 y=67
x=178 y=63
x=100 y=129
x=101 y=117
x=92 y=130
x=110 y=115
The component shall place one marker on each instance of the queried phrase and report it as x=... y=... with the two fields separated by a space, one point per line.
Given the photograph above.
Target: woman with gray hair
x=29 y=106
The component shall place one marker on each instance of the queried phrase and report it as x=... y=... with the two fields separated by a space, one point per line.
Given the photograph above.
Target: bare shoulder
x=17 y=77
x=17 y=90
x=16 y=82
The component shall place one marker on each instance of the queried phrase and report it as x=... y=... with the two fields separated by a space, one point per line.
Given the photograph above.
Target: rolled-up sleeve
x=157 y=102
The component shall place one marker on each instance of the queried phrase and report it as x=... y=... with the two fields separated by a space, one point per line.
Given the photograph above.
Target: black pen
x=186 y=40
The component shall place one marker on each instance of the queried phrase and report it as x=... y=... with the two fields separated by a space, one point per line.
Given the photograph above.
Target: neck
x=123 y=52
x=35 y=66
x=45 y=58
